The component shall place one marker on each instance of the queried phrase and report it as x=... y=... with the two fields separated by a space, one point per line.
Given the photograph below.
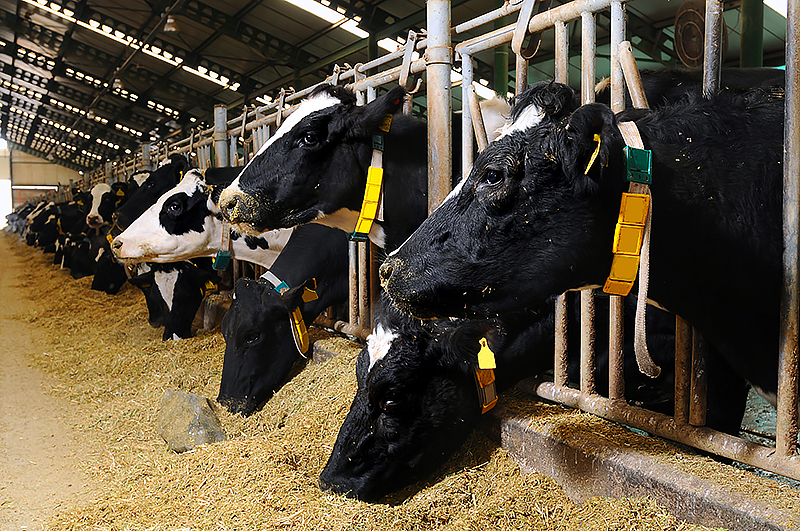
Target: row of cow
x=519 y=229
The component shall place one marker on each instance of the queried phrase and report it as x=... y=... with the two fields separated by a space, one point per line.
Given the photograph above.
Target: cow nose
x=116 y=245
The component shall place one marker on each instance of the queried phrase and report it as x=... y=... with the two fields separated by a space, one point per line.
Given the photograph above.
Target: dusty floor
x=41 y=455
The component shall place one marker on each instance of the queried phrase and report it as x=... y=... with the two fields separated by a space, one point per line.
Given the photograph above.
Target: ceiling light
x=170 y=26
x=117 y=84
x=90 y=114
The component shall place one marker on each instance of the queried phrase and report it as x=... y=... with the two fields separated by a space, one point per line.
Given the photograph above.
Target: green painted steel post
x=500 y=58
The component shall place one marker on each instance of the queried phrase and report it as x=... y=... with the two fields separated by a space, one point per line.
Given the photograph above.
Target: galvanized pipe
x=656 y=423
x=617 y=36
x=439 y=62
x=712 y=53
x=632 y=76
x=699 y=387
x=588 y=50
x=477 y=119
x=562 y=53
x=587 y=342
x=683 y=367
x=363 y=285
x=521 y=75
x=561 y=361
x=220 y=135
x=786 y=441
x=466 y=114
x=352 y=286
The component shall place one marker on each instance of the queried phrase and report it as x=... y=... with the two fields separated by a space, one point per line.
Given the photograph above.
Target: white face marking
x=530 y=117
x=146 y=239
x=99 y=254
x=140 y=178
x=97 y=193
x=378 y=344
x=345 y=219
x=166 y=285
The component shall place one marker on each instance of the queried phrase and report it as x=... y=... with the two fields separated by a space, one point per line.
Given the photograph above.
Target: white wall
x=5 y=182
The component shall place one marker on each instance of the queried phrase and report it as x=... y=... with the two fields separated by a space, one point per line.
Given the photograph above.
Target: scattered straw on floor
x=114 y=368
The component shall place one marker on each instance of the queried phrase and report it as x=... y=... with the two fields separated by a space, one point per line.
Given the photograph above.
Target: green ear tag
x=221 y=261
x=486 y=356
x=638 y=165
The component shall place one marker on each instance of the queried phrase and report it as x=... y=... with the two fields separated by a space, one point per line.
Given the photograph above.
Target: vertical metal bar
x=438 y=63
x=500 y=57
x=560 y=376
x=617 y=36
x=587 y=343
x=477 y=118
x=221 y=135
x=363 y=286
x=466 y=114
x=683 y=364
x=588 y=50
x=352 y=306
x=713 y=47
x=146 y=147
x=521 y=75
x=698 y=403
x=562 y=53
x=751 y=52
x=787 y=429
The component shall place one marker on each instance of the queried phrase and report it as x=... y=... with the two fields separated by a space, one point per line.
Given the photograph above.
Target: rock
x=186 y=421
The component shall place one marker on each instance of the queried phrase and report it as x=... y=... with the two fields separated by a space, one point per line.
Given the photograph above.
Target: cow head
x=532 y=219
x=151 y=186
x=259 y=345
x=416 y=403
x=94 y=219
x=111 y=201
x=313 y=166
x=180 y=222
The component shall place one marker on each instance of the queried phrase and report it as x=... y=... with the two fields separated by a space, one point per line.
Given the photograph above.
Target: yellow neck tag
x=594 y=155
x=628 y=236
x=487 y=390
x=369 y=207
x=486 y=356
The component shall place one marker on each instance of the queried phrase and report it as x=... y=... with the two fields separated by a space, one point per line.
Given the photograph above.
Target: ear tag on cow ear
x=299 y=330
x=486 y=356
x=180 y=175
x=120 y=192
x=109 y=238
x=594 y=155
x=80 y=202
x=309 y=295
x=221 y=261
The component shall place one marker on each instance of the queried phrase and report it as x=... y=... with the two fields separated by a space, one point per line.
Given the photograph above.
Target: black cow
x=174 y=293
x=515 y=233
x=150 y=186
x=259 y=345
x=417 y=397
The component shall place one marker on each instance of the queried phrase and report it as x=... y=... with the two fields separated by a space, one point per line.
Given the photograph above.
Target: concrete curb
x=585 y=465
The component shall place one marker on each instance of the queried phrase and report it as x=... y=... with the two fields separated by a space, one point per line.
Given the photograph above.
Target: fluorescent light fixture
x=480 y=90
x=33 y=187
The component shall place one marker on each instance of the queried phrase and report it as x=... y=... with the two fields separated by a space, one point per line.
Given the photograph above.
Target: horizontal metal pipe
x=342 y=326
x=491 y=16
x=659 y=424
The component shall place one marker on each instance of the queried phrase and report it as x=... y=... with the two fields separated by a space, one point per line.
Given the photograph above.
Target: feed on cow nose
x=386 y=272
x=229 y=207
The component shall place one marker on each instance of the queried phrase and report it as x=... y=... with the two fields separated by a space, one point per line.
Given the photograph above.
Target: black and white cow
x=518 y=231
x=314 y=168
x=149 y=187
x=174 y=293
x=259 y=345
x=93 y=218
x=417 y=398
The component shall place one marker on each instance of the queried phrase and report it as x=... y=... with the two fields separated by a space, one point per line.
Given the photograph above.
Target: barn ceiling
x=85 y=81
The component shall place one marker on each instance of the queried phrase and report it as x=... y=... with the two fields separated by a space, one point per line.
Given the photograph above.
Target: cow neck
x=631 y=246
x=296 y=323
x=372 y=205
x=484 y=377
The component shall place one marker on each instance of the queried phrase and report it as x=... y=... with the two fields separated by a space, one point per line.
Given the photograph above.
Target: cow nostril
x=229 y=207
x=386 y=272
x=116 y=245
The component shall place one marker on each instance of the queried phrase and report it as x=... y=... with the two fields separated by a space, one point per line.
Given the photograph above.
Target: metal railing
x=220 y=145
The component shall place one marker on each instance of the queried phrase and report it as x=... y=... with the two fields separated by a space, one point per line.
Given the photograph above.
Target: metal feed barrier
x=219 y=146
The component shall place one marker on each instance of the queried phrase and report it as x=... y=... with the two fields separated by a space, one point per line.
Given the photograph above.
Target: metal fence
x=220 y=146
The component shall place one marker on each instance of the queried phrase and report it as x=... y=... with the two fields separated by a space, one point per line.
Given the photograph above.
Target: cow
x=314 y=168
x=185 y=223
x=93 y=218
x=174 y=293
x=149 y=187
x=517 y=230
x=417 y=398
x=259 y=346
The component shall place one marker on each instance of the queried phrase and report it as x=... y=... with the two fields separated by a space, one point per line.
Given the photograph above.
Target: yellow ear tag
x=299 y=330
x=210 y=285
x=109 y=237
x=120 y=192
x=594 y=155
x=486 y=356
x=309 y=295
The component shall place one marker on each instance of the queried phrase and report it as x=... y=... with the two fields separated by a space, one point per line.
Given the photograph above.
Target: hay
x=114 y=368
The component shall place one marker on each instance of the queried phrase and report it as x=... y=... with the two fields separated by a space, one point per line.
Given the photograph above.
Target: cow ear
x=304 y=292
x=180 y=164
x=589 y=134
x=466 y=339
x=373 y=115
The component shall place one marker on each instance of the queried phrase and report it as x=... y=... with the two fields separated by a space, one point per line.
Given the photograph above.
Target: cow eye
x=309 y=139
x=391 y=400
x=491 y=178
x=252 y=337
x=174 y=208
